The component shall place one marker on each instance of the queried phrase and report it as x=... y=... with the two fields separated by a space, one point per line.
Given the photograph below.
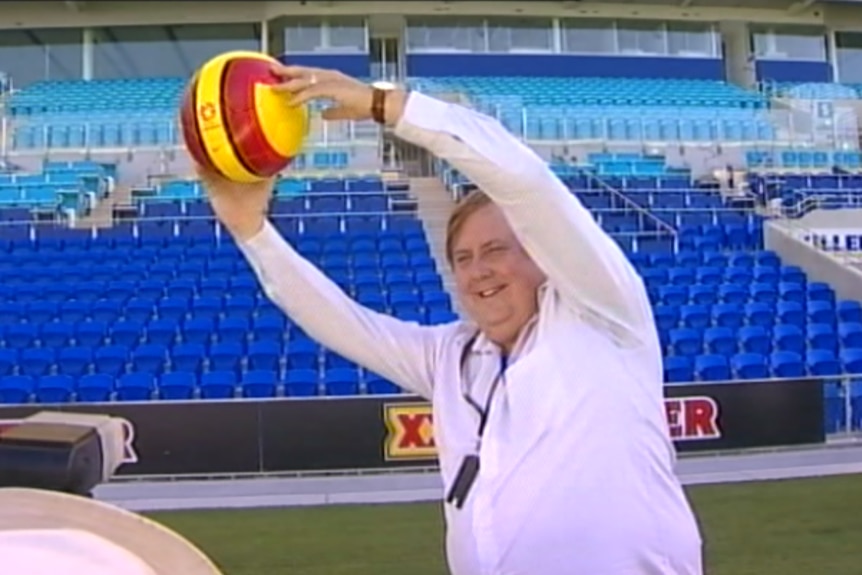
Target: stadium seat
x=177 y=385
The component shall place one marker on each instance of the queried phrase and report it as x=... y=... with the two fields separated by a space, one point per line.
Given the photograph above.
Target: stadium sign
x=410 y=426
x=365 y=433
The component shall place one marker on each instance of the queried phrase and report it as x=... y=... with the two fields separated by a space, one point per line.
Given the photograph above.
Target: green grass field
x=795 y=527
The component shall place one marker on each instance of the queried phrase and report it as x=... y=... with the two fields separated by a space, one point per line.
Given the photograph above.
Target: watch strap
x=378 y=105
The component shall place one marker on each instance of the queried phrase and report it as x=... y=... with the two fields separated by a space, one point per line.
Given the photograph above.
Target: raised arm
x=582 y=262
x=402 y=352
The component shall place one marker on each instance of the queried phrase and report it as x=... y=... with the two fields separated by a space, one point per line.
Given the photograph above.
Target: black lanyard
x=483 y=412
x=469 y=469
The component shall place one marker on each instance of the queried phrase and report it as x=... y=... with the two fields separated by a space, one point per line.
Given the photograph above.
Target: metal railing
x=628 y=203
x=787 y=129
x=23 y=135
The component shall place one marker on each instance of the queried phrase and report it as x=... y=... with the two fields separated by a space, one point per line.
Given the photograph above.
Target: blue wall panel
x=430 y=65
x=793 y=71
x=351 y=64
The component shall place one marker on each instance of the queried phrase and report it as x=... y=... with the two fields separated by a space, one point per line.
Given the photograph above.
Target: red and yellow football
x=234 y=122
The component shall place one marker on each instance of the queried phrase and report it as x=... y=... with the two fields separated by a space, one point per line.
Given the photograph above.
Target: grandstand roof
x=75 y=13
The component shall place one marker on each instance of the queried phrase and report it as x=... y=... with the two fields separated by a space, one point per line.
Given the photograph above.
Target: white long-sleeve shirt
x=577 y=464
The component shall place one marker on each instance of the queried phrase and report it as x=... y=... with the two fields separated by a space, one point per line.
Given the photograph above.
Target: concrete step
x=434 y=206
x=102 y=215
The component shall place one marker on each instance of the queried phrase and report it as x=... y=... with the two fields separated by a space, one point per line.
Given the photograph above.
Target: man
x=548 y=407
x=49 y=533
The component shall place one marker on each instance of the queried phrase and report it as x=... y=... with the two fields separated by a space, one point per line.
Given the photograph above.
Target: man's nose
x=479 y=270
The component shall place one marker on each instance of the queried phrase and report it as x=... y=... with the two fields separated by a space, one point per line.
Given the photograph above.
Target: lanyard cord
x=485 y=412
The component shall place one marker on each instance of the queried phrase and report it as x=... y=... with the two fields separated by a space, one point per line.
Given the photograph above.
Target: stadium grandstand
x=716 y=140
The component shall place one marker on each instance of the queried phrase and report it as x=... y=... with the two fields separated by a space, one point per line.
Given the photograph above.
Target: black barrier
x=284 y=435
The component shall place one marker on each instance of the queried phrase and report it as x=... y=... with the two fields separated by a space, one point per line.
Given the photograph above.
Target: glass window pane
x=790 y=43
x=641 y=37
x=28 y=56
x=690 y=39
x=302 y=34
x=347 y=34
x=515 y=34
x=445 y=34
x=589 y=36
x=849 y=56
x=142 y=51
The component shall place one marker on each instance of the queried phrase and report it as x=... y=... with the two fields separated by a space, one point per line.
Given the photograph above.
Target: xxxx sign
x=409 y=432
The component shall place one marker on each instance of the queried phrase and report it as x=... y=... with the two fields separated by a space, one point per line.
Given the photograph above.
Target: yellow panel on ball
x=243 y=128
x=286 y=126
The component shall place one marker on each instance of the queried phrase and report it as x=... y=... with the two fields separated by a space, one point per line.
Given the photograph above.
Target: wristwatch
x=378 y=100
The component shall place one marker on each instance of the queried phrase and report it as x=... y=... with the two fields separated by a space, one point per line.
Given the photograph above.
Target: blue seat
x=94 y=388
x=8 y=361
x=35 y=361
x=111 y=359
x=302 y=354
x=686 y=341
x=187 y=357
x=218 y=385
x=127 y=332
x=301 y=382
x=56 y=334
x=822 y=336
x=198 y=330
x=269 y=328
x=136 y=386
x=720 y=340
x=55 y=389
x=759 y=314
x=177 y=385
x=750 y=366
x=162 y=331
x=377 y=385
x=341 y=381
x=850 y=334
x=712 y=367
x=74 y=361
x=822 y=362
x=20 y=335
x=264 y=355
x=820 y=311
x=16 y=389
x=232 y=328
x=678 y=369
x=754 y=339
x=787 y=364
x=91 y=333
x=849 y=311
x=788 y=338
x=259 y=383
x=149 y=357
x=226 y=356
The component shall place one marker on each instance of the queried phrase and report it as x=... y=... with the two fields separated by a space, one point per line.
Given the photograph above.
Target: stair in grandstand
x=434 y=206
x=105 y=211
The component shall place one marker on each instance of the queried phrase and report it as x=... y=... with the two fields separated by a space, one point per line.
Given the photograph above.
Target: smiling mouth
x=484 y=294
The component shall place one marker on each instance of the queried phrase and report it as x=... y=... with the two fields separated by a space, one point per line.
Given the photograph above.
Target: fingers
x=310 y=75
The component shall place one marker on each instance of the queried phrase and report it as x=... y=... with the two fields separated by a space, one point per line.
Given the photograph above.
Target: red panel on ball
x=248 y=139
x=191 y=131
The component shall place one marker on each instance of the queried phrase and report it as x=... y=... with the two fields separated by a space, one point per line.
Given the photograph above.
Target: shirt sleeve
x=583 y=264
x=402 y=352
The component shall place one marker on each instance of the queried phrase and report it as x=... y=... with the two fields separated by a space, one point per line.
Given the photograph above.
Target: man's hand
x=352 y=98
x=241 y=208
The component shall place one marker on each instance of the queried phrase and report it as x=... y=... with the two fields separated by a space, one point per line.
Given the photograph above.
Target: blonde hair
x=467 y=206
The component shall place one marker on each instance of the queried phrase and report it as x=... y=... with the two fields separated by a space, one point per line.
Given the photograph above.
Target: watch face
x=381 y=85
